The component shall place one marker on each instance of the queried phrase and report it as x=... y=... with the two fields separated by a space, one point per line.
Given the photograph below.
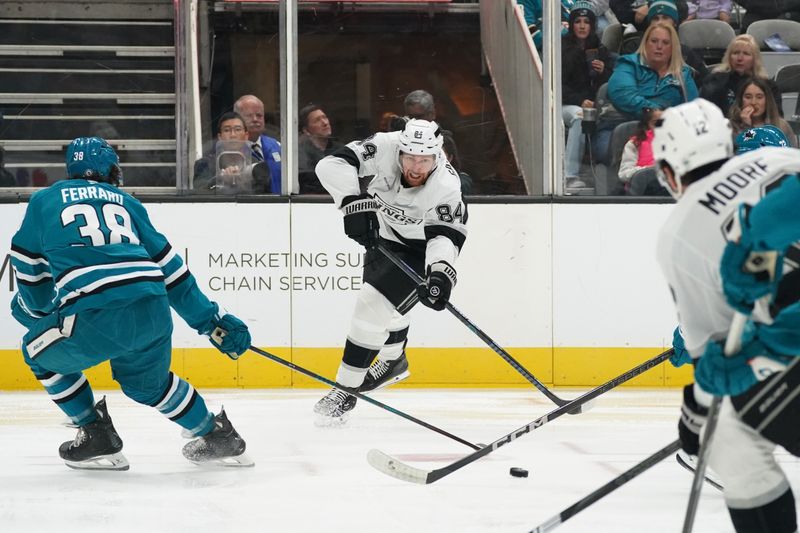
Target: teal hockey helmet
x=93 y=158
x=754 y=138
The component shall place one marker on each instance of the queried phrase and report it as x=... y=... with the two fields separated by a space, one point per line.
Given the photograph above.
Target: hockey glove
x=435 y=291
x=693 y=417
x=680 y=354
x=748 y=272
x=230 y=336
x=361 y=219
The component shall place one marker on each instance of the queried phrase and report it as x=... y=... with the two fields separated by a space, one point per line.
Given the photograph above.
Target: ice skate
x=689 y=462
x=334 y=408
x=97 y=445
x=221 y=447
x=384 y=373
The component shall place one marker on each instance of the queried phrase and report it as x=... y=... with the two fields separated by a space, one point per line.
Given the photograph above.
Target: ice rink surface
x=310 y=479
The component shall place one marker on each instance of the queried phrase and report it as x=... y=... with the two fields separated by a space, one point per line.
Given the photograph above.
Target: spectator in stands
x=420 y=104
x=386 y=121
x=230 y=127
x=769 y=9
x=315 y=142
x=654 y=77
x=450 y=150
x=754 y=106
x=637 y=12
x=637 y=166
x=710 y=9
x=742 y=60
x=585 y=65
x=264 y=148
x=666 y=12
x=605 y=16
x=532 y=10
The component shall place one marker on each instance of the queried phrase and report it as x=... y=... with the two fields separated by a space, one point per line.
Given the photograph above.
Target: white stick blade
x=396 y=468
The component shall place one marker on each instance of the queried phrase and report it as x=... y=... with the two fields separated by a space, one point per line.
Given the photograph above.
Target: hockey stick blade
x=483 y=336
x=391 y=466
x=363 y=397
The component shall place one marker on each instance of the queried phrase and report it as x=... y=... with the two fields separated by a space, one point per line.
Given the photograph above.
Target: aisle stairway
x=62 y=79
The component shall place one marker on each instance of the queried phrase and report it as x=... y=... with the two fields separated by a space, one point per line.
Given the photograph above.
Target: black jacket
x=578 y=81
x=769 y=9
x=720 y=88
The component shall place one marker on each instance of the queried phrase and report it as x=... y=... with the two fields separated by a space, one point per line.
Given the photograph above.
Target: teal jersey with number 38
x=89 y=245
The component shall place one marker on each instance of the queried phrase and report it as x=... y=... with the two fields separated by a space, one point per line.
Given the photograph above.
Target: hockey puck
x=518 y=472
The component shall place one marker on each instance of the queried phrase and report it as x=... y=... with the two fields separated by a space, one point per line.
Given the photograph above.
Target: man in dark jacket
x=769 y=9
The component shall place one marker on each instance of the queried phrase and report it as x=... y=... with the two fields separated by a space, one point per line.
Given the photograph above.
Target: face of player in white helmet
x=416 y=168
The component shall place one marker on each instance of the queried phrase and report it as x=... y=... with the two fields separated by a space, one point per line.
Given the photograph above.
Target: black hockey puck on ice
x=518 y=472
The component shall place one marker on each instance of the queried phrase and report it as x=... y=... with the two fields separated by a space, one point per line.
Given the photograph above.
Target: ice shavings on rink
x=310 y=479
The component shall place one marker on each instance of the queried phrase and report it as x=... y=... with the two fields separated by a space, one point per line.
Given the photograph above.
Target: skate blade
x=324 y=421
x=689 y=462
x=115 y=461
x=397 y=378
x=226 y=462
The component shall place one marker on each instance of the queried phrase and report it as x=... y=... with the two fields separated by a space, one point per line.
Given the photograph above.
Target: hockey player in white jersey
x=397 y=188
x=692 y=147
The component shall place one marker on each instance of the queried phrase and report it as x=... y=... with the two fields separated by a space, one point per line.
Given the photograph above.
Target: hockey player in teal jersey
x=752 y=265
x=759 y=381
x=96 y=282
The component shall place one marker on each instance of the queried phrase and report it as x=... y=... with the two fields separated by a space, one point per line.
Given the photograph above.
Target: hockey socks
x=778 y=516
x=182 y=404
x=73 y=395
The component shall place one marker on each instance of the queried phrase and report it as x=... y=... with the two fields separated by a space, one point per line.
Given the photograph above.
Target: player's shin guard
x=182 y=404
x=72 y=394
x=777 y=516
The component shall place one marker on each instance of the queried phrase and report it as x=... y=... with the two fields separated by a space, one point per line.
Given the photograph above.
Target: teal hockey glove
x=681 y=355
x=230 y=336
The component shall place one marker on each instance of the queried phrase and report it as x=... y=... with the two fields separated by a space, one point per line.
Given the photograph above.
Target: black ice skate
x=97 y=445
x=222 y=447
x=384 y=373
x=334 y=408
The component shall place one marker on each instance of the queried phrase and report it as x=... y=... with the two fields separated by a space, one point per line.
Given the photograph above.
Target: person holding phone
x=585 y=65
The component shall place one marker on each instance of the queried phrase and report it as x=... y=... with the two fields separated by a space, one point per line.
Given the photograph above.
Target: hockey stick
x=396 y=468
x=360 y=396
x=608 y=488
x=732 y=344
x=483 y=336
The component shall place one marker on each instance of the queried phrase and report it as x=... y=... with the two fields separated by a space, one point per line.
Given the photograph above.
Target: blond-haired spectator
x=742 y=60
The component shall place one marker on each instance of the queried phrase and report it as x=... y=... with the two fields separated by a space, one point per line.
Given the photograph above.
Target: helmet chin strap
x=666 y=182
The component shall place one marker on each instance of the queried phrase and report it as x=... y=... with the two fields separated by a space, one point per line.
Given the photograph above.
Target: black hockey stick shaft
x=395 y=468
x=475 y=329
x=360 y=396
x=608 y=488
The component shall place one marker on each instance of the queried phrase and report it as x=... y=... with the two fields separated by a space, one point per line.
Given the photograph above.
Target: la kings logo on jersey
x=395 y=213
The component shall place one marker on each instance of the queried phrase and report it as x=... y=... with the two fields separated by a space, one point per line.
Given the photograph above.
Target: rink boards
x=571 y=290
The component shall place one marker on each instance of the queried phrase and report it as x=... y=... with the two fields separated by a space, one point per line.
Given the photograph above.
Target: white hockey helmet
x=689 y=136
x=421 y=137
